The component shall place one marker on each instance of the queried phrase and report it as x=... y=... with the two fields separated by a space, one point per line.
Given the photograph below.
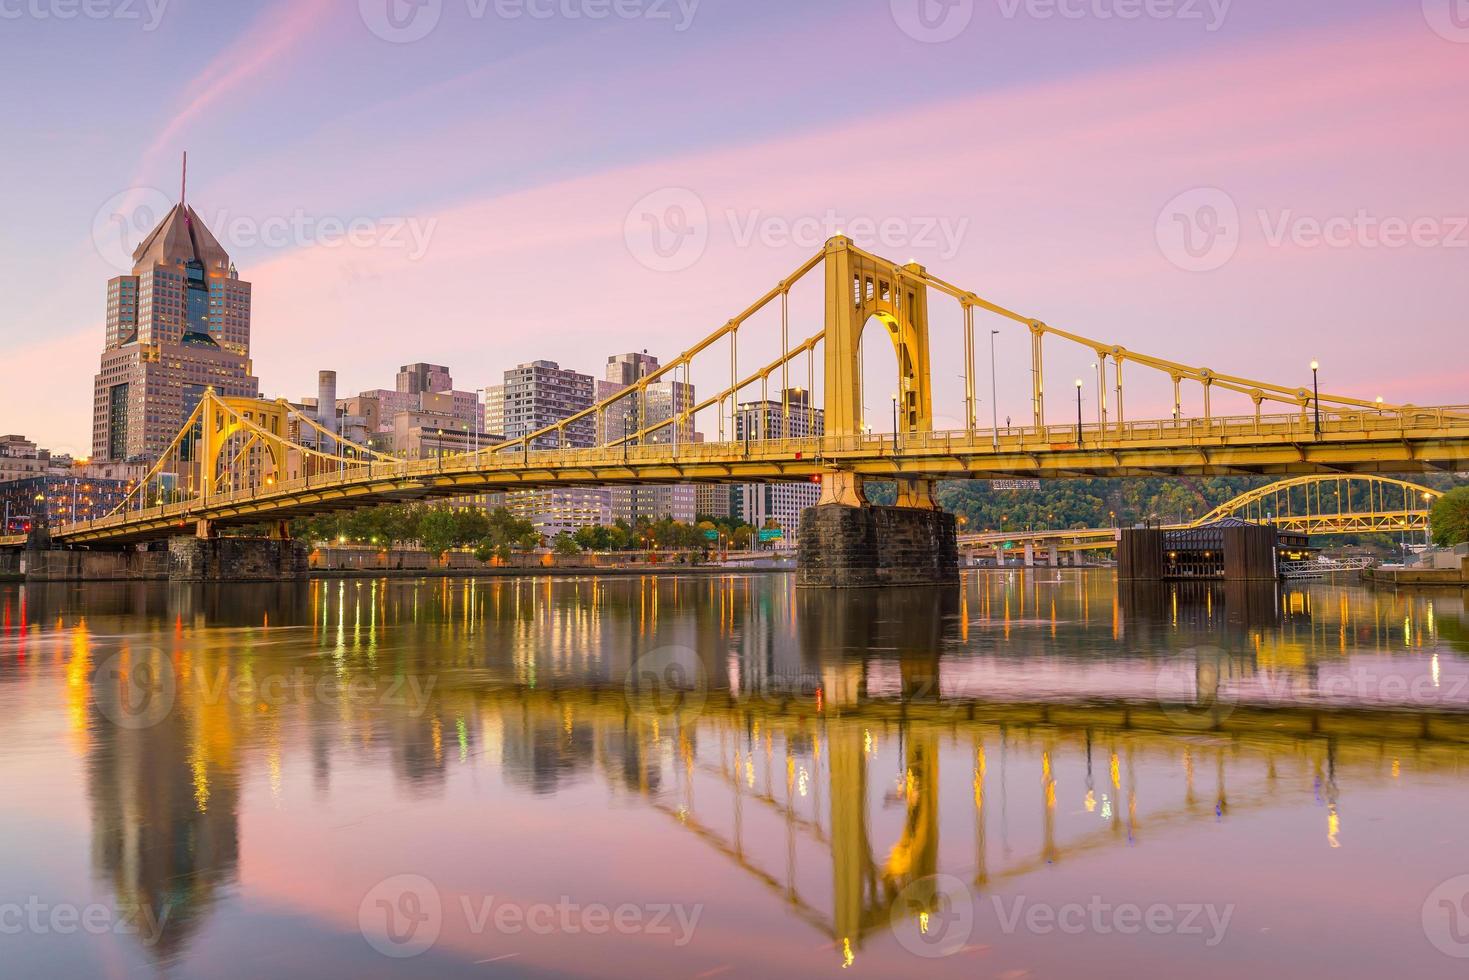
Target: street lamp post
x=895 y=424
x=1078 y=413
x=1427 y=520
x=1316 y=390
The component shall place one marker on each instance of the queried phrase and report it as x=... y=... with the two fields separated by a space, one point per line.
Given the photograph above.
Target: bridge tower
x=845 y=541
x=242 y=447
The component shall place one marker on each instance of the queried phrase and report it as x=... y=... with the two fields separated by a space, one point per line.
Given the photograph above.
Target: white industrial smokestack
x=326 y=400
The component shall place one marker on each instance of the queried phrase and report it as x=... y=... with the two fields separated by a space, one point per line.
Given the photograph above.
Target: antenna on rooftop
x=184 y=186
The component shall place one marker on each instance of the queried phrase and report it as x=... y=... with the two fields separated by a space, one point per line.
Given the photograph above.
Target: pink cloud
x=1060 y=184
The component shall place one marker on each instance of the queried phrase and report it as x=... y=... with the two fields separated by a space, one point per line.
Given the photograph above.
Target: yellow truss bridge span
x=251 y=462
x=1311 y=505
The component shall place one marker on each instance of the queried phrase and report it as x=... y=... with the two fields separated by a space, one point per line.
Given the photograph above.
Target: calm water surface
x=1030 y=776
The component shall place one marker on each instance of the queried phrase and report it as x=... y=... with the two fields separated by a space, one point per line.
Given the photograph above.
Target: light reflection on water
x=248 y=764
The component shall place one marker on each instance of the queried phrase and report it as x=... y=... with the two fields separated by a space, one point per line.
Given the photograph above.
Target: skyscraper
x=540 y=394
x=663 y=402
x=177 y=325
x=793 y=417
x=533 y=397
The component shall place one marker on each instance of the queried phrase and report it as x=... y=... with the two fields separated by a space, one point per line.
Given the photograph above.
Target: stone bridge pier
x=853 y=544
x=197 y=559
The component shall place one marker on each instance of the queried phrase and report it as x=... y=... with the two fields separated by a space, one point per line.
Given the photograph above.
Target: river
x=1034 y=775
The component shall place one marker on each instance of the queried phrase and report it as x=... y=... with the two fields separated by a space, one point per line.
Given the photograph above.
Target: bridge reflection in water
x=829 y=739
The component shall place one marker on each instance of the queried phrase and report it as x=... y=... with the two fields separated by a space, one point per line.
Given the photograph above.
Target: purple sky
x=1229 y=184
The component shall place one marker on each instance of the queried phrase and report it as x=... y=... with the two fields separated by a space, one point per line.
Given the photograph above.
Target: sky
x=1244 y=185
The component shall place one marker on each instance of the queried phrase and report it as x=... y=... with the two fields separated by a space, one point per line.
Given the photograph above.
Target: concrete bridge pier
x=196 y=559
x=848 y=543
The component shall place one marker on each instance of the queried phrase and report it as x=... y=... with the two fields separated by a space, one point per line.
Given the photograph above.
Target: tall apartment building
x=177 y=324
x=792 y=417
x=495 y=410
x=542 y=393
x=664 y=400
x=533 y=397
x=716 y=499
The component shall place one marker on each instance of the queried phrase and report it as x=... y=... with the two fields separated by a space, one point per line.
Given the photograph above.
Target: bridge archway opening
x=881 y=375
x=243 y=460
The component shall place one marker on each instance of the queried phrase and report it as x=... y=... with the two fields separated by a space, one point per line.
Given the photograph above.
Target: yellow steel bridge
x=1311 y=505
x=252 y=462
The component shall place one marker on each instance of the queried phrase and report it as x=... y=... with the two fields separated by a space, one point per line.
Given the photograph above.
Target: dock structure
x=1230 y=549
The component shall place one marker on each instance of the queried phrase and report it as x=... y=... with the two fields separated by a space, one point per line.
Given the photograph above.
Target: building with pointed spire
x=177 y=325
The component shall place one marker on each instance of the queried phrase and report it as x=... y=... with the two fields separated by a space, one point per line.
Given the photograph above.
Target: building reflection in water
x=826 y=724
x=164 y=796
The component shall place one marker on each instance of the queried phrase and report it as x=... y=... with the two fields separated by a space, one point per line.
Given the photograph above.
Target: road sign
x=771 y=534
x=712 y=534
